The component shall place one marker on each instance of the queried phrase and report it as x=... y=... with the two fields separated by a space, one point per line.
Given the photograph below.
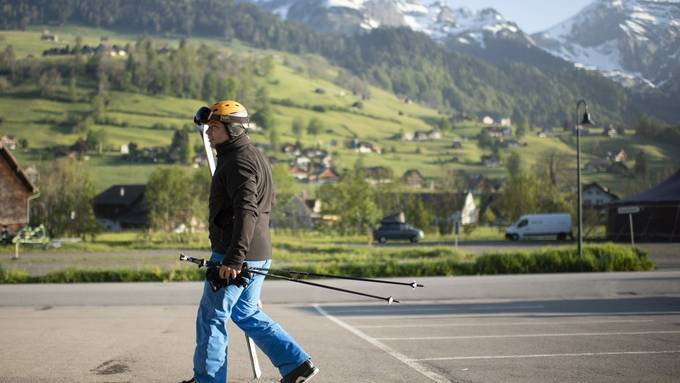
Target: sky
x=531 y=15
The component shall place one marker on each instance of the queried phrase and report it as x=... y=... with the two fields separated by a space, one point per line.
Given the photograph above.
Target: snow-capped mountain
x=437 y=18
x=633 y=41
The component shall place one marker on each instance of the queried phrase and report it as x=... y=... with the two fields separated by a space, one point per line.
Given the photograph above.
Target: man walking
x=241 y=196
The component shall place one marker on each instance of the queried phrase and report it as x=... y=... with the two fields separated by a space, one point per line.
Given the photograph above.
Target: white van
x=558 y=224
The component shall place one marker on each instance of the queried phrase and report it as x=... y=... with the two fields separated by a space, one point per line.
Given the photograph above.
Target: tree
x=417 y=214
x=641 y=167
x=96 y=139
x=518 y=196
x=274 y=139
x=315 y=126
x=48 y=82
x=186 y=153
x=170 y=198
x=264 y=118
x=180 y=150
x=514 y=163
x=298 y=128
x=65 y=203
x=522 y=127
x=488 y=217
x=72 y=93
x=283 y=182
x=352 y=199
x=485 y=139
x=445 y=124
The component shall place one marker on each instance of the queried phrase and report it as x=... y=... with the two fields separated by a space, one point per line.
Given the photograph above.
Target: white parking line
x=545 y=355
x=537 y=315
x=413 y=309
x=534 y=323
x=532 y=335
x=399 y=356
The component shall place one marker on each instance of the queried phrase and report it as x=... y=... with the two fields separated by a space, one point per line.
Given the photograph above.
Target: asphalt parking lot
x=613 y=327
x=532 y=341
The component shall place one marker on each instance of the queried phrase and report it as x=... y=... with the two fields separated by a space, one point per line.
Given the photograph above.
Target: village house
x=433 y=134
x=16 y=192
x=298 y=173
x=378 y=174
x=404 y=136
x=324 y=176
x=596 y=195
x=609 y=131
x=597 y=165
x=456 y=145
x=490 y=161
x=498 y=132
x=302 y=162
x=509 y=144
x=47 y=36
x=412 y=177
x=121 y=207
x=478 y=184
x=620 y=156
x=292 y=149
x=506 y=122
x=294 y=214
x=487 y=120
x=364 y=146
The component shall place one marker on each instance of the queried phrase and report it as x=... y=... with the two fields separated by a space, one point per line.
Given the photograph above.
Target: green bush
x=378 y=262
x=606 y=257
x=72 y=275
x=12 y=276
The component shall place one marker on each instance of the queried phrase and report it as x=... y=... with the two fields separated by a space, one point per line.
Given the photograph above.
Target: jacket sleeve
x=242 y=188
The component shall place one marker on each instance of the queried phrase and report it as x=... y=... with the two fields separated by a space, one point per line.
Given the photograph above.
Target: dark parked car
x=396 y=230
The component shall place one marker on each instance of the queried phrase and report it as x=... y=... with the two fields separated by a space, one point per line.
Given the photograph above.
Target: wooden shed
x=16 y=189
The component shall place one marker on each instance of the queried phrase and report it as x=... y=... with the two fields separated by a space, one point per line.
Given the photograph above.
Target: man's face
x=217 y=133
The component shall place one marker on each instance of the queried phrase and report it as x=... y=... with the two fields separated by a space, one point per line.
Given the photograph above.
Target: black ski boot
x=302 y=373
x=192 y=380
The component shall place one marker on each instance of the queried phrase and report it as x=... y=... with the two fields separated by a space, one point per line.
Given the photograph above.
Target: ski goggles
x=204 y=115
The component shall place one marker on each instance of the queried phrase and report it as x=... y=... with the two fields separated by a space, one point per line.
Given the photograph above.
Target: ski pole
x=389 y=299
x=203 y=263
x=413 y=284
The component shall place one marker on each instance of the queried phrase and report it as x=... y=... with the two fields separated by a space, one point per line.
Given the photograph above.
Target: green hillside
x=299 y=86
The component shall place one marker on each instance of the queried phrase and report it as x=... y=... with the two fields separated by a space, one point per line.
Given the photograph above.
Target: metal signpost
x=456 y=218
x=630 y=210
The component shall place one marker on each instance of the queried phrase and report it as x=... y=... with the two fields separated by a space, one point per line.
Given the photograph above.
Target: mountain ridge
x=634 y=42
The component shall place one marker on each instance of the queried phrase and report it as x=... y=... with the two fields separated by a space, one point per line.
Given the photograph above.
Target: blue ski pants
x=239 y=304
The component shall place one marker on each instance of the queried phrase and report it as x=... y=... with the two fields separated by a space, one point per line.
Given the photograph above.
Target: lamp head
x=586 y=119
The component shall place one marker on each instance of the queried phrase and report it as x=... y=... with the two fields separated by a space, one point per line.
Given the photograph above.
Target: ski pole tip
x=415 y=284
x=391 y=300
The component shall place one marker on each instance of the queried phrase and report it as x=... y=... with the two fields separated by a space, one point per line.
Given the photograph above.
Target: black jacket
x=241 y=196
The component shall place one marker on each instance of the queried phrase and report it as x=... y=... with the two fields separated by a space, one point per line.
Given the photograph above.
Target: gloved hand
x=212 y=275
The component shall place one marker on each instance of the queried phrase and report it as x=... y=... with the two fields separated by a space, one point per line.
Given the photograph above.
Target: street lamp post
x=584 y=121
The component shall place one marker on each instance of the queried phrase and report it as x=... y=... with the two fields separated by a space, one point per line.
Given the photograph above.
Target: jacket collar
x=232 y=144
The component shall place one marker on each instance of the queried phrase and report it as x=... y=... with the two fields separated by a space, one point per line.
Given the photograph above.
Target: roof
x=124 y=195
x=604 y=189
x=14 y=165
x=667 y=191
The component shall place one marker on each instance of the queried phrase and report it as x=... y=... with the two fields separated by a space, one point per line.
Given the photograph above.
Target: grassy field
x=295 y=79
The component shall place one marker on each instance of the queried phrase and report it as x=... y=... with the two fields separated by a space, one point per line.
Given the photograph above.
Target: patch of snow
x=635 y=27
x=353 y=4
x=282 y=12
